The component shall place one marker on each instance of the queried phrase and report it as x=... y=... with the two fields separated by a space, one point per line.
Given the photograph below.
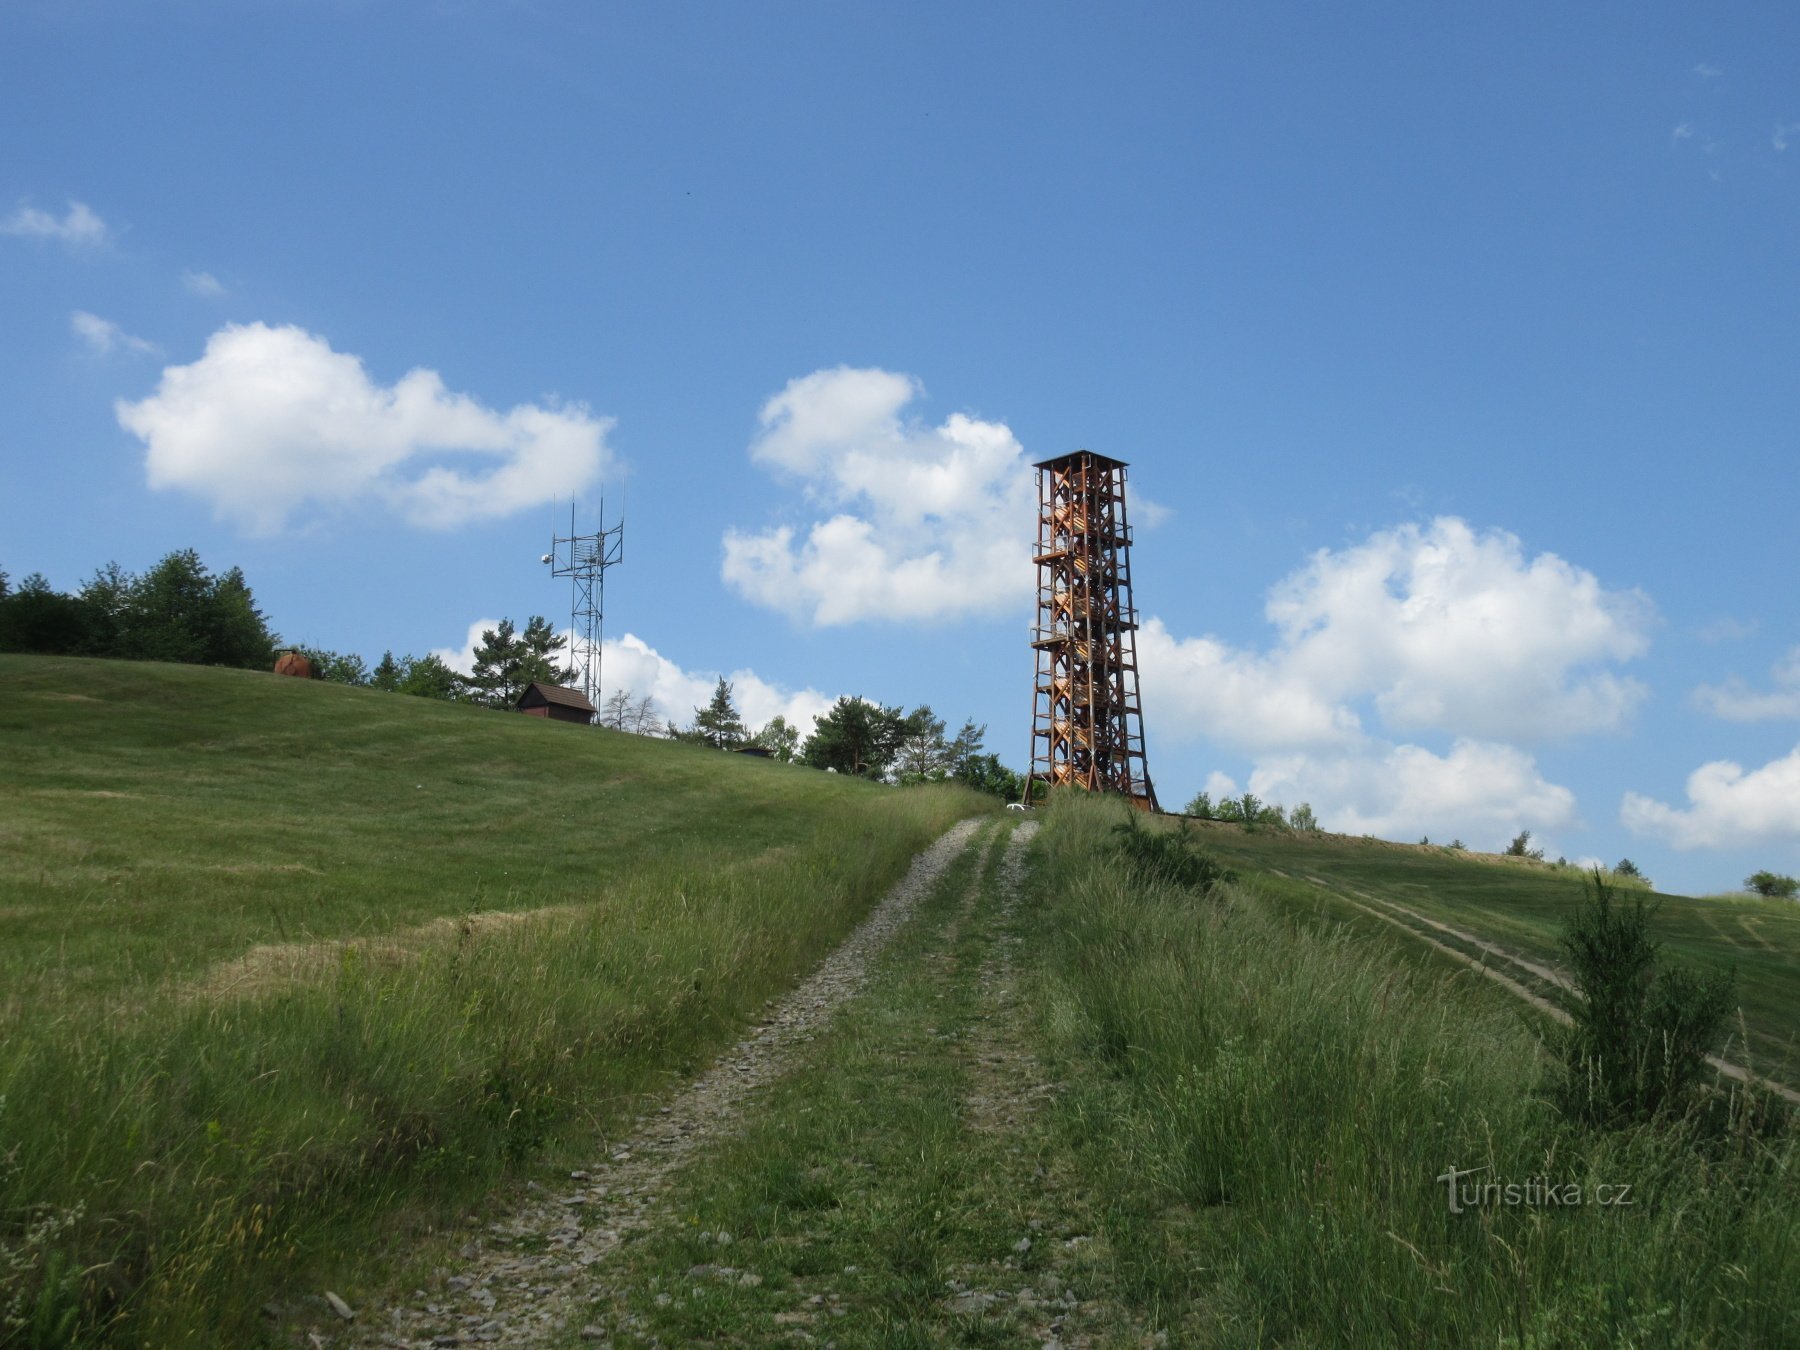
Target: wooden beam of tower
x=1087 y=723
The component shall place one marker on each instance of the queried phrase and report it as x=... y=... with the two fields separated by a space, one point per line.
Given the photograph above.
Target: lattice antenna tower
x=1087 y=724
x=584 y=558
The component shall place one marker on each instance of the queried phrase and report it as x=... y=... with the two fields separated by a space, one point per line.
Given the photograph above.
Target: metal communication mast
x=1087 y=726
x=585 y=558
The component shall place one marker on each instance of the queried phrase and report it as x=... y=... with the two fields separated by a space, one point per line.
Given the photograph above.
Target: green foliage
x=1521 y=847
x=1249 y=810
x=1168 y=857
x=507 y=660
x=966 y=747
x=35 y=618
x=719 y=724
x=538 y=660
x=1641 y=1034
x=1302 y=820
x=855 y=737
x=423 y=676
x=1201 y=808
x=1259 y=1102
x=1772 y=884
x=779 y=738
x=337 y=667
x=177 y=611
x=387 y=674
x=985 y=773
x=923 y=754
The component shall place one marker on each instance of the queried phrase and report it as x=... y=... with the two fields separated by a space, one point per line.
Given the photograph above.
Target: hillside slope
x=278 y=954
x=1519 y=906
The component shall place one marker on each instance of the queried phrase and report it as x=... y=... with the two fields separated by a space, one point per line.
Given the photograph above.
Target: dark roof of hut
x=555 y=693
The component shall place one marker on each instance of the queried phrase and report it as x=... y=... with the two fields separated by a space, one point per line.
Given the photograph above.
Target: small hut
x=538 y=699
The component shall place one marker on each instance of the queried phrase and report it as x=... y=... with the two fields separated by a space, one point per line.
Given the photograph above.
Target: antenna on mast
x=584 y=558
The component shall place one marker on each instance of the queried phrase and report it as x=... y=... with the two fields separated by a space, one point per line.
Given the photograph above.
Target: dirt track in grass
x=533 y=1271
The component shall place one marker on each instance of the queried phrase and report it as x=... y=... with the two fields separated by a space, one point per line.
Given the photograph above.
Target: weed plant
x=1271 y=1108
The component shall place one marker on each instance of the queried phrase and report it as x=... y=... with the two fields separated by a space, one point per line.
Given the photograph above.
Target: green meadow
x=283 y=961
x=1269 y=1103
x=1521 y=905
x=297 y=980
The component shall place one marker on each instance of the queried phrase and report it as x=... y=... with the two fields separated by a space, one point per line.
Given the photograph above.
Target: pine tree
x=387 y=673
x=856 y=736
x=718 y=723
x=495 y=678
x=537 y=660
x=966 y=746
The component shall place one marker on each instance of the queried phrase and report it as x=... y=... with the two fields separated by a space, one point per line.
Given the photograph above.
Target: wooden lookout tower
x=1087 y=725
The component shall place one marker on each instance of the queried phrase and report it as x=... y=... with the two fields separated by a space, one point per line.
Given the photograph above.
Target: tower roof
x=1058 y=461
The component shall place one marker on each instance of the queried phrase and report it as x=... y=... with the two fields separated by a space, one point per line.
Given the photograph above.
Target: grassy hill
x=291 y=973
x=1520 y=905
x=281 y=956
x=1271 y=1095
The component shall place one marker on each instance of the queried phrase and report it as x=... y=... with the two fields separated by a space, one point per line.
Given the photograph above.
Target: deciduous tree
x=779 y=738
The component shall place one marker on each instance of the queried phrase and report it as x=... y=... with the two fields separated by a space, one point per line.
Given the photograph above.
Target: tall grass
x=181 y=1140
x=1271 y=1107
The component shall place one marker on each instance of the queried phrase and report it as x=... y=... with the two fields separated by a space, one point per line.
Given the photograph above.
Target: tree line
x=855 y=736
x=506 y=660
x=177 y=611
x=180 y=611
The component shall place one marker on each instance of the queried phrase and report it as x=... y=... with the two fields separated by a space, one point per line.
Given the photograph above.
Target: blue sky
x=1453 y=351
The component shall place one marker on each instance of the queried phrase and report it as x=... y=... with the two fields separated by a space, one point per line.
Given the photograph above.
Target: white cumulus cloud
x=1435 y=628
x=925 y=522
x=1727 y=807
x=78 y=227
x=1737 y=702
x=271 y=420
x=1247 y=700
x=1432 y=628
x=103 y=336
x=1480 y=791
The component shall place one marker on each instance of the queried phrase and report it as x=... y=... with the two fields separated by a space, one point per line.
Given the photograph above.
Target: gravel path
x=530 y=1277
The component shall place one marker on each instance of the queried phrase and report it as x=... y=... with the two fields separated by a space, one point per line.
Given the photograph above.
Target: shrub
x=1772 y=884
x=1521 y=847
x=1640 y=1036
